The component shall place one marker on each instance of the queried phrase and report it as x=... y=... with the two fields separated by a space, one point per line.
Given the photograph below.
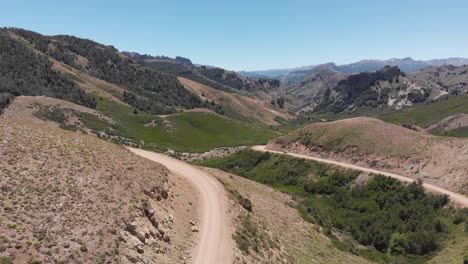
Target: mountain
x=81 y=71
x=273 y=73
x=312 y=88
x=450 y=61
x=388 y=87
x=48 y=61
x=215 y=77
x=262 y=89
x=26 y=72
x=405 y=64
x=452 y=79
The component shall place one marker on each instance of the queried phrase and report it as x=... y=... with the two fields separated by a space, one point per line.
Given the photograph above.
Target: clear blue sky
x=255 y=34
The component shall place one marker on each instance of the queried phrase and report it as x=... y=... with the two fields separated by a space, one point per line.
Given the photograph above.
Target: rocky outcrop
x=146 y=238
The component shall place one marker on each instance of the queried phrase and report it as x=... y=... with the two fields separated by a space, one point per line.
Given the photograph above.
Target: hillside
x=265 y=89
x=360 y=214
x=193 y=131
x=23 y=72
x=267 y=231
x=372 y=143
x=69 y=197
x=236 y=105
x=445 y=115
x=313 y=87
x=453 y=80
x=217 y=78
x=388 y=87
x=144 y=88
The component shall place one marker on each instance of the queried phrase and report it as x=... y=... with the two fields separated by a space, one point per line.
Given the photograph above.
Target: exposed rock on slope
x=68 y=197
x=315 y=85
x=372 y=143
x=386 y=87
x=451 y=79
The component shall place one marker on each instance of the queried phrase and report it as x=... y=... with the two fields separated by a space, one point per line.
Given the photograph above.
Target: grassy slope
x=370 y=135
x=426 y=115
x=191 y=132
x=236 y=105
x=455 y=248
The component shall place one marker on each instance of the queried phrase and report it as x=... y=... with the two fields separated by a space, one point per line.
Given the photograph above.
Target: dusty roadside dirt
x=454 y=197
x=215 y=243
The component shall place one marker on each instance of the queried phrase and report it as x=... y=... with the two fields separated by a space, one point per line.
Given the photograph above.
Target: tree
x=398 y=244
x=280 y=102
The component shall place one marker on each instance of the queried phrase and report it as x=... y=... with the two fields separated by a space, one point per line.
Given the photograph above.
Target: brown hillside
x=67 y=197
x=25 y=109
x=373 y=143
x=243 y=105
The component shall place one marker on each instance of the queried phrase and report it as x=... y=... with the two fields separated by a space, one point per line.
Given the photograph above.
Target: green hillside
x=189 y=131
x=428 y=114
x=380 y=218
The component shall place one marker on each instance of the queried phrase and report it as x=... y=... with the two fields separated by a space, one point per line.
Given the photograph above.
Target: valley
x=111 y=156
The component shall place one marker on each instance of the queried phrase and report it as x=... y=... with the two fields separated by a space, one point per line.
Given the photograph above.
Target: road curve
x=454 y=197
x=214 y=245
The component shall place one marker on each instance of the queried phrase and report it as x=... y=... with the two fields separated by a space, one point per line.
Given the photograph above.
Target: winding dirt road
x=215 y=243
x=454 y=197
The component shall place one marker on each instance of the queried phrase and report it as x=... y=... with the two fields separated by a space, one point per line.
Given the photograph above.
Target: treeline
x=149 y=106
x=235 y=81
x=106 y=63
x=214 y=77
x=400 y=220
x=24 y=72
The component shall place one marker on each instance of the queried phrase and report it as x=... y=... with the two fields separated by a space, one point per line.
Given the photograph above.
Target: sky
x=257 y=34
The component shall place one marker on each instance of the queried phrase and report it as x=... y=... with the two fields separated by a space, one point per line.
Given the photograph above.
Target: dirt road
x=454 y=197
x=215 y=242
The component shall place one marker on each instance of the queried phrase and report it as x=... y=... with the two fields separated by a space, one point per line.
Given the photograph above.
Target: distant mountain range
x=405 y=64
x=273 y=73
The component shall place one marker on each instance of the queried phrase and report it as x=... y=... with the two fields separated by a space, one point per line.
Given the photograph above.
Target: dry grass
x=67 y=197
x=373 y=143
x=24 y=109
x=243 y=105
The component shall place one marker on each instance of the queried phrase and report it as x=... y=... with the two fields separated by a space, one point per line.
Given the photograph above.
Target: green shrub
x=5 y=260
x=36 y=261
x=384 y=213
x=398 y=243
x=84 y=248
x=37 y=245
